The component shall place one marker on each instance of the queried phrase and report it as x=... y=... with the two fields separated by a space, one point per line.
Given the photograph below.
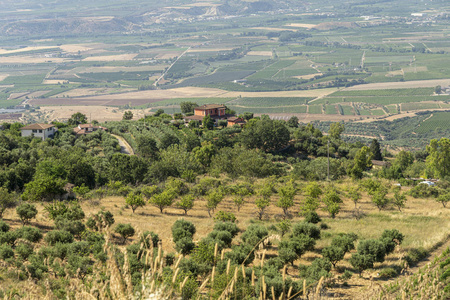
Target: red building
x=210 y=110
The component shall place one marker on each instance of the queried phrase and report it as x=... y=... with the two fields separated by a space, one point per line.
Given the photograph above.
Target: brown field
x=302 y=25
x=88 y=92
x=99 y=113
x=30 y=60
x=309 y=76
x=260 y=53
x=123 y=57
x=399 y=85
x=193 y=50
x=3 y=76
x=4 y=51
x=306 y=118
x=75 y=47
x=274 y=28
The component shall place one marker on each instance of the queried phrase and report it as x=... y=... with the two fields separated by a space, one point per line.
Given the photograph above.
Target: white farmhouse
x=43 y=131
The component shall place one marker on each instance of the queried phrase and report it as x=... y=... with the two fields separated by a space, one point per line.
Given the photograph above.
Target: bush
x=58 y=236
x=26 y=212
x=361 y=262
x=424 y=191
x=254 y=234
x=150 y=235
x=9 y=237
x=222 y=236
x=373 y=248
x=125 y=230
x=184 y=245
x=227 y=226
x=101 y=219
x=74 y=227
x=388 y=273
x=318 y=268
x=312 y=217
x=182 y=228
x=307 y=229
x=224 y=216
x=6 y=252
x=3 y=226
x=345 y=241
x=24 y=250
x=415 y=255
x=28 y=233
x=169 y=258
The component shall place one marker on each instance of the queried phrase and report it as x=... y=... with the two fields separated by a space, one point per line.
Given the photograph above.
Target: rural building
x=210 y=110
x=235 y=120
x=83 y=129
x=43 y=131
x=216 y=111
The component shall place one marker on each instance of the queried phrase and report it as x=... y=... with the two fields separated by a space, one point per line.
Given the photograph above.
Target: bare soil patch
x=111 y=57
x=302 y=25
x=3 y=76
x=99 y=113
x=260 y=53
x=399 y=85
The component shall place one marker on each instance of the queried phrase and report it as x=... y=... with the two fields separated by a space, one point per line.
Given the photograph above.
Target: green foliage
x=182 y=228
x=224 y=216
x=312 y=217
x=286 y=201
x=443 y=199
x=128 y=115
x=399 y=200
x=332 y=202
x=307 y=229
x=231 y=227
x=333 y=254
x=373 y=248
x=7 y=200
x=58 y=236
x=265 y=134
x=125 y=231
x=23 y=250
x=134 y=200
x=254 y=234
x=77 y=118
x=380 y=200
x=415 y=255
x=100 y=220
x=43 y=188
x=361 y=162
x=438 y=160
x=184 y=245
x=213 y=198
x=163 y=200
x=26 y=212
x=361 y=262
x=284 y=227
x=4 y=227
x=6 y=252
x=186 y=203
x=29 y=233
x=318 y=268
x=313 y=190
x=344 y=241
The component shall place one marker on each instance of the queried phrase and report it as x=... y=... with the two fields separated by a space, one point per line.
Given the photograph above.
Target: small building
x=43 y=131
x=235 y=120
x=210 y=110
x=83 y=129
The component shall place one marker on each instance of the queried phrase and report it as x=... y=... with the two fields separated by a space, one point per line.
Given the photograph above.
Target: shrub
x=24 y=250
x=227 y=226
x=346 y=275
x=307 y=229
x=150 y=235
x=3 y=226
x=312 y=217
x=318 y=268
x=28 y=233
x=373 y=248
x=361 y=262
x=74 y=227
x=58 y=236
x=26 y=212
x=169 y=258
x=102 y=219
x=254 y=234
x=9 y=237
x=333 y=254
x=223 y=236
x=388 y=273
x=241 y=254
x=344 y=241
x=424 y=191
x=6 y=252
x=125 y=231
x=182 y=228
x=79 y=248
x=415 y=255
x=184 y=245
x=225 y=216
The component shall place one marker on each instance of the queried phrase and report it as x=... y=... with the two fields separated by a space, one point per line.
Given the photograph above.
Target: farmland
x=283 y=64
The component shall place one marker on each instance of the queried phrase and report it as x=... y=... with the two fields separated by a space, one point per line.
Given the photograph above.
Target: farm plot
x=437 y=121
x=271 y=110
x=270 y=102
x=330 y=109
x=215 y=78
x=314 y=109
x=418 y=106
x=385 y=93
x=271 y=70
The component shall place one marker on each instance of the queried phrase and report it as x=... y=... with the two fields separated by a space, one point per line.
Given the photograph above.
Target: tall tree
x=335 y=130
x=77 y=118
x=128 y=115
x=265 y=134
x=438 y=160
x=188 y=107
x=362 y=161
x=376 y=150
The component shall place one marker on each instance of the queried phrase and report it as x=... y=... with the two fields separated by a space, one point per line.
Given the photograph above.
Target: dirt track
x=399 y=85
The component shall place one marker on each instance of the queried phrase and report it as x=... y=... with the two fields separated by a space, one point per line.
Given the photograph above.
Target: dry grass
x=123 y=57
x=302 y=25
x=260 y=53
x=99 y=113
x=399 y=85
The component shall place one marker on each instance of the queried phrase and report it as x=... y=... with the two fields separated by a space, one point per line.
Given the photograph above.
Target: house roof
x=85 y=125
x=235 y=119
x=209 y=106
x=37 y=126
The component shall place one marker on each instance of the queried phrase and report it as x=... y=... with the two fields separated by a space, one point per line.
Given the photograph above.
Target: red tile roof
x=209 y=106
x=37 y=126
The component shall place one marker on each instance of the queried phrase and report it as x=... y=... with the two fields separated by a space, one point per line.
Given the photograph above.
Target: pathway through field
x=125 y=148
